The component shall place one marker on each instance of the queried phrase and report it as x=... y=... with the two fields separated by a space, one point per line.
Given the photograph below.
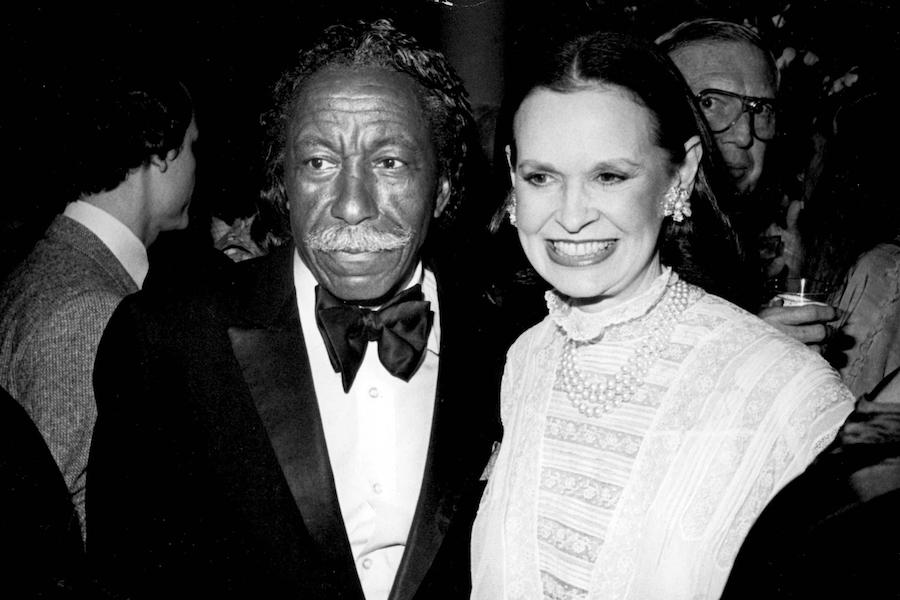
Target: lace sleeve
x=513 y=375
x=810 y=409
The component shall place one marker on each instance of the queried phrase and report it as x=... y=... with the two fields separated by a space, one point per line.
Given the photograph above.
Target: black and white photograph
x=450 y=299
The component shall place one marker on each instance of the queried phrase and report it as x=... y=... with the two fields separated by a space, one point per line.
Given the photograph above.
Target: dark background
x=230 y=53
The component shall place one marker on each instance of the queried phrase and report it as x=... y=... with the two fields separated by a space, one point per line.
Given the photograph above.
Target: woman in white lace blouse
x=646 y=421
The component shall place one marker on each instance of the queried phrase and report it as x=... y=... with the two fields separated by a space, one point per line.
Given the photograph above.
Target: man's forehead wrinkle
x=376 y=95
x=352 y=88
x=351 y=118
x=314 y=133
x=385 y=125
x=331 y=107
x=352 y=112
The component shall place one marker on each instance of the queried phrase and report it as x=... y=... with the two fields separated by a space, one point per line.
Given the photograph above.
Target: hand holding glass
x=798 y=291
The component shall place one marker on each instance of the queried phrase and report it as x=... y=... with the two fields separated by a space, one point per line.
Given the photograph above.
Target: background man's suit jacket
x=53 y=309
x=209 y=474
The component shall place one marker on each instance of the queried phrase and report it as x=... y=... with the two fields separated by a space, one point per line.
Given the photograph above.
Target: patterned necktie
x=400 y=327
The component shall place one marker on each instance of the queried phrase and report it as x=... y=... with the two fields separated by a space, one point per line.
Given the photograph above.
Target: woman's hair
x=702 y=249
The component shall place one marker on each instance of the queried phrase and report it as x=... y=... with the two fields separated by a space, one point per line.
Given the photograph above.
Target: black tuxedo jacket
x=209 y=474
x=39 y=530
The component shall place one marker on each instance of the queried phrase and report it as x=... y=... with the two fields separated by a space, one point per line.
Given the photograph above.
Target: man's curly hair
x=376 y=44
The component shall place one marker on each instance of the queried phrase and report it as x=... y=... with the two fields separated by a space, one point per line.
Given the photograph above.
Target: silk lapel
x=461 y=438
x=270 y=349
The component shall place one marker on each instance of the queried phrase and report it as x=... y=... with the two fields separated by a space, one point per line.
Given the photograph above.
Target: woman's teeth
x=580 y=248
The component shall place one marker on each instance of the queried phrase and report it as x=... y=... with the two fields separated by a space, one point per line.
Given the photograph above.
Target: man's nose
x=355 y=200
x=741 y=132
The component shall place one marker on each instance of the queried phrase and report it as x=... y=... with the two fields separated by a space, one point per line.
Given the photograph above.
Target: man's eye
x=317 y=164
x=764 y=109
x=390 y=163
x=708 y=103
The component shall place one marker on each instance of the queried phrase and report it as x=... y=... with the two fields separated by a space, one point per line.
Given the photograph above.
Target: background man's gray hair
x=716 y=30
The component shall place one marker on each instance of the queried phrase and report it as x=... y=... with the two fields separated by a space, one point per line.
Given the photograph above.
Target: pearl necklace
x=597 y=397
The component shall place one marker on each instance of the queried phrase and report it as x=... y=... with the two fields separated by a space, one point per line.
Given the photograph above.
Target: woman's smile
x=579 y=253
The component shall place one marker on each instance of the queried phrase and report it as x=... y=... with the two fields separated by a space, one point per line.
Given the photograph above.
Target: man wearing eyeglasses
x=734 y=79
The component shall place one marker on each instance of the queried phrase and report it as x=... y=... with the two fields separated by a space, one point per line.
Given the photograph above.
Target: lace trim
x=593 y=436
x=571 y=542
x=589 y=490
x=582 y=326
x=556 y=589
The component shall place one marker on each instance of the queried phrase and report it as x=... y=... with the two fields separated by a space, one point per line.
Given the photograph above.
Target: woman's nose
x=576 y=210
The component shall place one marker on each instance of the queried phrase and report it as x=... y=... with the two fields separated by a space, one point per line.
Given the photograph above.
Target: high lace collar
x=580 y=325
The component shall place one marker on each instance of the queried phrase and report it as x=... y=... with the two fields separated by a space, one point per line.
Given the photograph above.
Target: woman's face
x=590 y=183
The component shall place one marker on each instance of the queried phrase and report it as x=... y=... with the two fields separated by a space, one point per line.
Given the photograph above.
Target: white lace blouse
x=653 y=498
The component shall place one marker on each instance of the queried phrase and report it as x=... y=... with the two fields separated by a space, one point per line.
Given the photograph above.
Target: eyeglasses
x=723 y=109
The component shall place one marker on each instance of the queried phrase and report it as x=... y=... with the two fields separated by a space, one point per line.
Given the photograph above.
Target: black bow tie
x=400 y=327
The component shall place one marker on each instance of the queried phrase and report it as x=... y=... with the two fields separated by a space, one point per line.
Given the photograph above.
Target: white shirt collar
x=306 y=283
x=115 y=235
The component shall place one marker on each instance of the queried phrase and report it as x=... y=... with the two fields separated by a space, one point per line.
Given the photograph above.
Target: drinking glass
x=797 y=291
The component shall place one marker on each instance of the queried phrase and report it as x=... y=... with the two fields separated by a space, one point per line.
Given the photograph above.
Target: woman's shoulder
x=770 y=371
x=716 y=320
x=878 y=259
x=872 y=282
x=538 y=335
x=735 y=335
x=716 y=312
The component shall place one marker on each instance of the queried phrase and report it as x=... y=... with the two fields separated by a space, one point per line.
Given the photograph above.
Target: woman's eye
x=537 y=179
x=610 y=177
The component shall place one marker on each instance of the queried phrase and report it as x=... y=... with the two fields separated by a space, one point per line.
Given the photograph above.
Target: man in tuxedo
x=131 y=178
x=318 y=425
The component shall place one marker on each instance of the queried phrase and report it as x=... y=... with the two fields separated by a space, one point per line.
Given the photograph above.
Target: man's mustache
x=357 y=238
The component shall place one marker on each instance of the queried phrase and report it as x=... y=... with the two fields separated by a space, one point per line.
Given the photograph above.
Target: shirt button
x=377 y=488
x=373 y=392
x=367 y=563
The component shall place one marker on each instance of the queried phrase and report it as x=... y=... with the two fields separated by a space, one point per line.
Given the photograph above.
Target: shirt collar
x=115 y=235
x=306 y=283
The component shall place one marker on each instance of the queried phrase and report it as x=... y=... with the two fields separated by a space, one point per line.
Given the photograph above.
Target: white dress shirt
x=115 y=235
x=377 y=436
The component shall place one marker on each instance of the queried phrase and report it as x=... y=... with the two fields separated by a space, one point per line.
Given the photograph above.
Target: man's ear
x=687 y=172
x=443 y=195
x=163 y=163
